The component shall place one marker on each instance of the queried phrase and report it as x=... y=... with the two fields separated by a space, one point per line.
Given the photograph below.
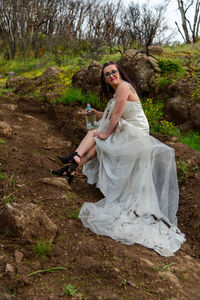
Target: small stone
x=174 y=139
x=5 y=130
x=18 y=256
x=9 y=268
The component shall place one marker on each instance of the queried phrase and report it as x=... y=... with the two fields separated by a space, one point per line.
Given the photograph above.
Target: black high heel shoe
x=70 y=166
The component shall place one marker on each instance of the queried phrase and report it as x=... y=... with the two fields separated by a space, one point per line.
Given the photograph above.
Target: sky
x=172 y=15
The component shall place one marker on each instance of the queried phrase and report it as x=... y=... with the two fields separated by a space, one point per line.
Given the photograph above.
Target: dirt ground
x=97 y=267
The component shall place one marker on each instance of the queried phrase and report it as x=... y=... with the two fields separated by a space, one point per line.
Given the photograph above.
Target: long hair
x=106 y=90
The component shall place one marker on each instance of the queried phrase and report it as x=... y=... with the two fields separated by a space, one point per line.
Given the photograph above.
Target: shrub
x=155 y=114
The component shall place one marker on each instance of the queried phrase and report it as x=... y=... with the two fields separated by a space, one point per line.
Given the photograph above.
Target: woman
x=135 y=172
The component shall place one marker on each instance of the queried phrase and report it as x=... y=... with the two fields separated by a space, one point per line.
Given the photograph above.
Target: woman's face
x=111 y=75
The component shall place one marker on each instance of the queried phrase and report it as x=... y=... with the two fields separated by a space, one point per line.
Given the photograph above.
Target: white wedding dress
x=137 y=176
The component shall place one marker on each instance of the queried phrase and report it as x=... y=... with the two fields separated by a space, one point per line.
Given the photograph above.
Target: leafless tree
x=190 y=29
x=144 y=23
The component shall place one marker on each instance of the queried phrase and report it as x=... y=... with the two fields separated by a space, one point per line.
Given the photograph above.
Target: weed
x=2 y=141
x=183 y=172
x=42 y=248
x=35 y=152
x=53 y=269
x=164 y=268
x=11 y=180
x=2 y=176
x=74 y=214
x=162 y=82
x=7 y=199
x=69 y=290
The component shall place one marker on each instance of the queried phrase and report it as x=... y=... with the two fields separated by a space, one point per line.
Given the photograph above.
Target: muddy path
x=97 y=267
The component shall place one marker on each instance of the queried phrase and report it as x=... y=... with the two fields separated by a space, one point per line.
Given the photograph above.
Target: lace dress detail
x=137 y=176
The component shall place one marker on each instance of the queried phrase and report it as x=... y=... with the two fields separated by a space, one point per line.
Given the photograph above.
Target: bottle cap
x=88 y=107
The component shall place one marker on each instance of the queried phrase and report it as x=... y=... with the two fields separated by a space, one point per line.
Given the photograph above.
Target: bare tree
x=190 y=31
x=144 y=23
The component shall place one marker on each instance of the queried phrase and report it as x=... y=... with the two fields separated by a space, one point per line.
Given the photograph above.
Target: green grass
x=192 y=139
x=72 y=95
x=69 y=290
x=2 y=176
x=42 y=249
x=74 y=214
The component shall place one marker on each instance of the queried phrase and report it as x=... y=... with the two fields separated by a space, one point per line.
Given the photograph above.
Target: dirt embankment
x=97 y=267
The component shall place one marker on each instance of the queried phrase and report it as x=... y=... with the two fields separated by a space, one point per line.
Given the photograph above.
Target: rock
x=182 y=87
x=24 y=85
x=195 y=115
x=9 y=268
x=27 y=221
x=52 y=95
x=88 y=79
x=155 y=49
x=174 y=139
x=15 y=82
x=10 y=74
x=143 y=70
x=5 y=130
x=18 y=256
x=11 y=107
x=1 y=76
x=176 y=109
x=52 y=72
x=58 y=182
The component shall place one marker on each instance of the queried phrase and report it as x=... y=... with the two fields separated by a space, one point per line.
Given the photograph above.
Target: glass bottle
x=90 y=118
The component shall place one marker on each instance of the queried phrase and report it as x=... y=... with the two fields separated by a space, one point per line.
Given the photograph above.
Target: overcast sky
x=172 y=14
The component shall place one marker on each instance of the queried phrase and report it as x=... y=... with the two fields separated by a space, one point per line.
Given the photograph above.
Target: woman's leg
x=90 y=154
x=86 y=148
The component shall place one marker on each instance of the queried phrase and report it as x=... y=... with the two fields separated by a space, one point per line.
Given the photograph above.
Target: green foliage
x=7 y=199
x=5 y=91
x=154 y=111
x=192 y=139
x=172 y=70
x=168 y=66
x=196 y=93
x=69 y=290
x=74 y=214
x=11 y=180
x=72 y=95
x=163 y=82
x=2 y=177
x=183 y=172
x=42 y=248
x=2 y=141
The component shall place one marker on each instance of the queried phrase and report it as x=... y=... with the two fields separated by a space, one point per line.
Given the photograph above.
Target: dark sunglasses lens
x=107 y=74
x=114 y=71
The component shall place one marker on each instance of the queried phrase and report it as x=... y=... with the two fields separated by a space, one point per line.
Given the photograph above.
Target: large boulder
x=143 y=70
x=182 y=87
x=195 y=115
x=155 y=49
x=24 y=85
x=88 y=78
x=15 y=82
x=177 y=109
x=27 y=221
x=5 y=130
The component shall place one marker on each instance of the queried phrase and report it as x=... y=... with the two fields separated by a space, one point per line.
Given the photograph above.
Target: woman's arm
x=121 y=98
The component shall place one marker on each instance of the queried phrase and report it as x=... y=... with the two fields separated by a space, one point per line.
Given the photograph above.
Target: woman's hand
x=100 y=135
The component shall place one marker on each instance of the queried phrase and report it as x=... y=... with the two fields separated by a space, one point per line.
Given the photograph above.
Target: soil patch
x=97 y=267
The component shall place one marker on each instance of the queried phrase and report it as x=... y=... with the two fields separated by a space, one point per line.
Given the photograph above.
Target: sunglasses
x=113 y=72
